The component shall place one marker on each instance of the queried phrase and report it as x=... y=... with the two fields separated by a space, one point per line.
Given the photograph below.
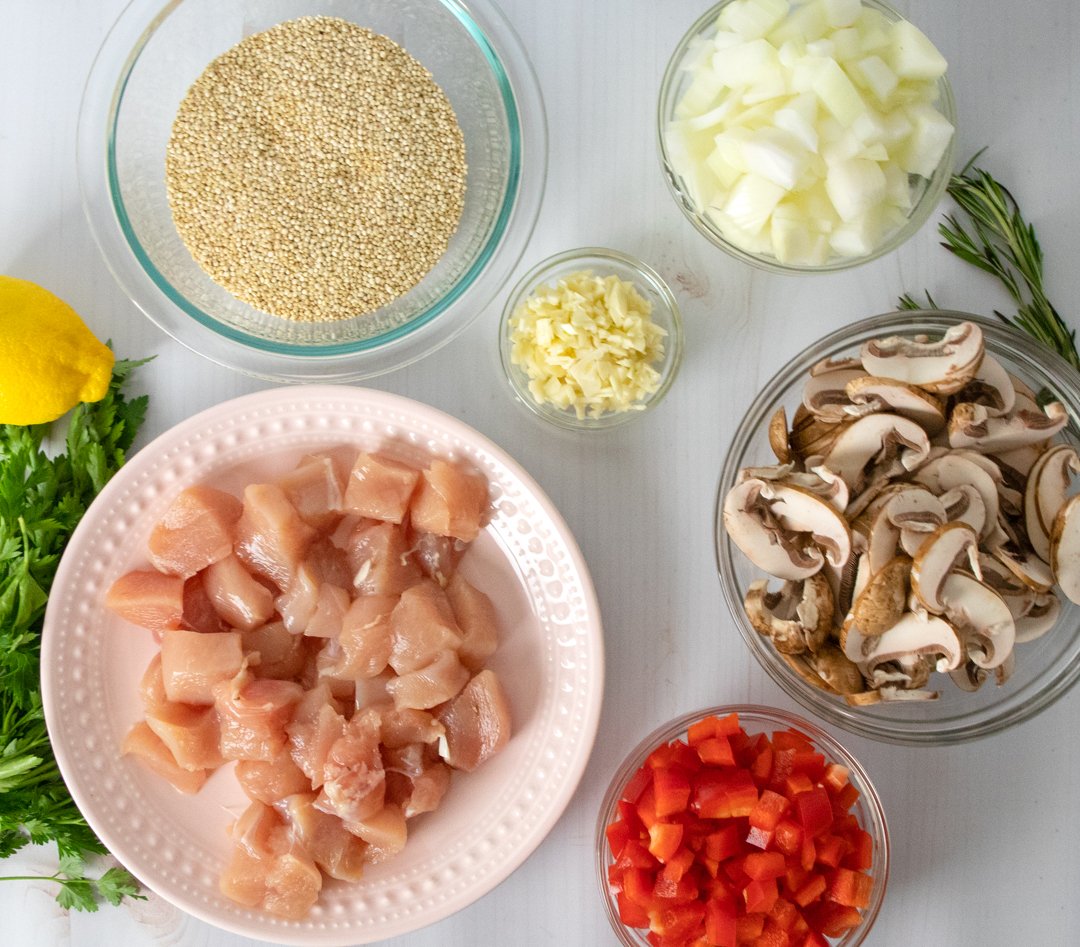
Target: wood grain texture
x=984 y=836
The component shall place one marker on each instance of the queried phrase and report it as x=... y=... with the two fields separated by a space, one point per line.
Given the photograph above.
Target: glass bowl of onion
x=806 y=138
x=590 y=339
x=770 y=765
x=913 y=643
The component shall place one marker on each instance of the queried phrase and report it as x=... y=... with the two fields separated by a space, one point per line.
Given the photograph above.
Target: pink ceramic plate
x=550 y=662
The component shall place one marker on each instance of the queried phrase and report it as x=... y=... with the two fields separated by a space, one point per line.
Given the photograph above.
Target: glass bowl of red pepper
x=741 y=825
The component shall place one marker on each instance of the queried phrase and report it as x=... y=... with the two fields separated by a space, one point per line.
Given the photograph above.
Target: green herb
x=42 y=499
x=83 y=893
x=990 y=233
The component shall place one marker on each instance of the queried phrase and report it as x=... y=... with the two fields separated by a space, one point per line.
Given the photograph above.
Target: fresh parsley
x=42 y=499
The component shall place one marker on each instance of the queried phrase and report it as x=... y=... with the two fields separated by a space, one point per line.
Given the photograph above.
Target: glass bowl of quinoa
x=312 y=189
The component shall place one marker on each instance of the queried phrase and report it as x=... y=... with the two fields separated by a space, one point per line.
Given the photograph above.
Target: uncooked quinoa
x=315 y=170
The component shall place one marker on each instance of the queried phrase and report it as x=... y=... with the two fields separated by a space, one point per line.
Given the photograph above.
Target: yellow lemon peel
x=49 y=360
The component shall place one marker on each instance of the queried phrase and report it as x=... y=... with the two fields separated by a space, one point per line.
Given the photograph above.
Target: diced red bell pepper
x=635 y=855
x=797 y=783
x=646 y=807
x=677 y=920
x=631 y=914
x=677 y=865
x=811 y=891
x=760 y=895
x=836 y=777
x=618 y=834
x=830 y=849
x=850 y=888
x=814 y=811
x=723 y=793
x=664 y=839
x=724 y=843
x=784 y=913
x=788 y=836
x=791 y=739
x=628 y=814
x=761 y=866
x=720 y=918
x=671 y=789
x=762 y=766
x=638 y=887
x=832 y=919
x=808 y=853
x=748 y=927
x=813 y=939
x=759 y=838
x=843 y=800
x=637 y=785
x=716 y=751
x=768 y=810
x=772 y=935
x=665 y=890
x=713 y=726
x=861 y=856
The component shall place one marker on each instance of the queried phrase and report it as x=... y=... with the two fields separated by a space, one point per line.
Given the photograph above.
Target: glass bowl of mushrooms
x=896 y=534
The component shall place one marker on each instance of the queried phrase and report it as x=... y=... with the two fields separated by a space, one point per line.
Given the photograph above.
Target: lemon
x=49 y=360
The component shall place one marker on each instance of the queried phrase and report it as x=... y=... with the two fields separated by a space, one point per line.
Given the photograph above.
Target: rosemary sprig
x=993 y=236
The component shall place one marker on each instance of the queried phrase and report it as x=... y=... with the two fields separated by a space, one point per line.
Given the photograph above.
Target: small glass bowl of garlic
x=590 y=339
x=806 y=136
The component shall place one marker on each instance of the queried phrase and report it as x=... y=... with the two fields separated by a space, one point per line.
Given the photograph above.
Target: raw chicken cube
x=409 y=760
x=142 y=743
x=297 y=605
x=193 y=663
x=271 y=539
x=315 y=490
x=423 y=625
x=427 y=789
x=253 y=715
x=199 y=612
x=152 y=685
x=402 y=727
x=149 y=599
x=431 y=685
x=326 y=562
x=438 y=556
x=335 y=850
x=379 y=557
x=380 y=488
x=384 y=831
x=317 y=724
x=449 y=502
x=365 y=638
x=477 y=722
x=268 y=868
x=270 y=780
x=281 y=655
x=354 y=782
x=237 y=596
x=330 y=611
x=191 y=734
x=476 y=618
x=197 y=529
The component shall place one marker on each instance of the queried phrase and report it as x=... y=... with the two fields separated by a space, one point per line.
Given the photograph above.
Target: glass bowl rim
x=918 y=215
x=526 y=143
x=823 y=740
x=824 y=705
x=673 y=351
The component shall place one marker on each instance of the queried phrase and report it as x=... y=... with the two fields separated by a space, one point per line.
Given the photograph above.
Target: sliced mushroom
x=991 y=387
x=880 y=605
x=751 y=526
x=842 y=675
x=819 y=480
x=810 y=435
x=825 y=396
x=827 y=365
x=1016 y=464
x=801 y=511
x=778 y=436
x=908 y=672
x=964 y=504
x=980 y=617
x=1046 y=492
x=887 y=394
x=948 y=471
x=946 y=548
x=971 y=425
x=913 y=635
x=1042 y=615
x=941 y=367
x=1026 y=566
x=969 y=676
x=1010 y=500
x=877 y=445
x=797 y=618
x=1065 y=549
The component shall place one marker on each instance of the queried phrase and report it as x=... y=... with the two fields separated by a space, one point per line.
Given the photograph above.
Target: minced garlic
x=588 y=343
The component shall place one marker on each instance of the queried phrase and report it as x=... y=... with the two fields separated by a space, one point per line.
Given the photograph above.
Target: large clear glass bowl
x=153 y=54
x=927 y=192
x=1045 y=668
x=868 y=809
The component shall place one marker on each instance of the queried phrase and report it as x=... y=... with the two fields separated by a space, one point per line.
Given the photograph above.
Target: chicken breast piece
x=477 y=722
x=198 y=528
x=380 y=488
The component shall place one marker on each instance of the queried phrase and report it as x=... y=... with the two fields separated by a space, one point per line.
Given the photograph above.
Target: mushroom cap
x=888 y=443
x=941 y=367
x=797 y=618
x=971 y=425
x=897 y=397
x=884 y=599
x=799 y=510
x=913 y=635
x=749 y=524
x=946 y=547
x=981 y=618
x=778 y=435
x=825 y=395
x=1065 y=549
x=1046 y=492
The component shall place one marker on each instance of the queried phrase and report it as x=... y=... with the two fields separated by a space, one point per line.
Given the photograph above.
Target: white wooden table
x=985 y=836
